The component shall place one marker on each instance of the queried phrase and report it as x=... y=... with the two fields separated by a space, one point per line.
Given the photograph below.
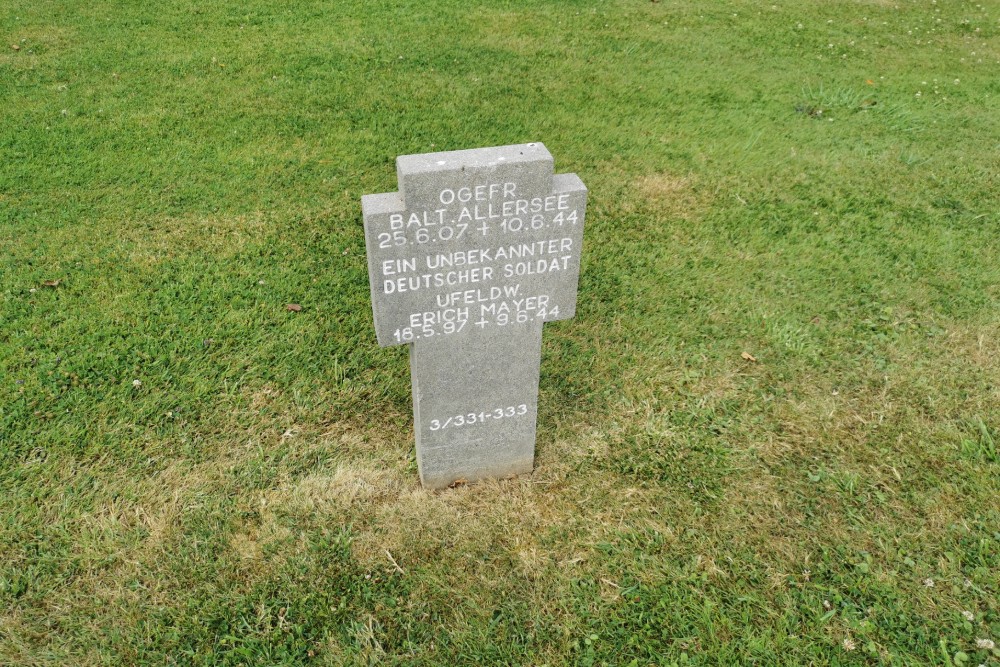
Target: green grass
x=191 y=474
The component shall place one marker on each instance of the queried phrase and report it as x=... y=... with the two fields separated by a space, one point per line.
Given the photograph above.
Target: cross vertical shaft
x=483 y=395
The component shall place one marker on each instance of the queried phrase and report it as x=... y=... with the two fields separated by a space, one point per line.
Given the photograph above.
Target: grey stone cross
x=474 y=253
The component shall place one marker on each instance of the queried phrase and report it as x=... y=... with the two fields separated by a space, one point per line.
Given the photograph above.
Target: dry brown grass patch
x=335 y=492
x=671 y=195
x=154 y=241
x=37 y=44
x=979 y=345
x=165 y=498
x=759 y=515
x=817 y=422
x=513 y=38
x=416 y=526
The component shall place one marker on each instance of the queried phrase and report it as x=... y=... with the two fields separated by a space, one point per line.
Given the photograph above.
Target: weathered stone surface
x=474 y=253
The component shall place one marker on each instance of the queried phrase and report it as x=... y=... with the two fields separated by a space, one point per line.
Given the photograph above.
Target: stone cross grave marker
x=476 y=250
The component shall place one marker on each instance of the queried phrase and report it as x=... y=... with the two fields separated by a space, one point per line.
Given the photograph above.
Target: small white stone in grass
x=136 y=383
x=928 y=582
x=986 y=644
x=969 y=616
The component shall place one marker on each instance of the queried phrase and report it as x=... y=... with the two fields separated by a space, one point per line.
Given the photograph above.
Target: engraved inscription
x=477 y=256
x=481 y=417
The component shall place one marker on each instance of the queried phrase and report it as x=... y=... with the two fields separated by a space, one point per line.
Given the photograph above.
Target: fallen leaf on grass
x=457 y=483
x=749 y=357
x=51 y=283
x=293 y=307
x=16 y=47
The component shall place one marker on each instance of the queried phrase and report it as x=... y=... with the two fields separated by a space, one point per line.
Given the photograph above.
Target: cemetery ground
x=769 y=436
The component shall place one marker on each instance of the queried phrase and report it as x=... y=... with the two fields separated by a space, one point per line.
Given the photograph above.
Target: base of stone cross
x=475 y=402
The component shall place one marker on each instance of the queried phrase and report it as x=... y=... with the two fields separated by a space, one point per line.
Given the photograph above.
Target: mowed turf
x=190 y=473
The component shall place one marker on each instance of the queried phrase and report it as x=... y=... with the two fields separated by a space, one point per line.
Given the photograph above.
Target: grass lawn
x=192 y=474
